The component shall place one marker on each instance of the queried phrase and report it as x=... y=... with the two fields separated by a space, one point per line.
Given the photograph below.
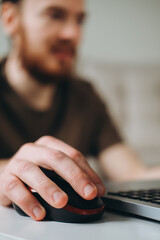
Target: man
x=46 y=114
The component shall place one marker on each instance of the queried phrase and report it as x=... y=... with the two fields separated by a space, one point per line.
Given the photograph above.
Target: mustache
x=65 y=46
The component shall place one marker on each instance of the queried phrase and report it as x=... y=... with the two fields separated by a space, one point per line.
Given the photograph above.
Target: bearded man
x=50 y=119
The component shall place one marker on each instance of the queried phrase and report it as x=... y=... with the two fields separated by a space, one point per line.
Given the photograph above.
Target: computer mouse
x=77 y=210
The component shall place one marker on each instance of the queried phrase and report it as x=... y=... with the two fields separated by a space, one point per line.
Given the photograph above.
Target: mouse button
x=76 y=200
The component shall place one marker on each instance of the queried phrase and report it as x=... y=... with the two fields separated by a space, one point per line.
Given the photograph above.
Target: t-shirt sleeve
x=105 y=132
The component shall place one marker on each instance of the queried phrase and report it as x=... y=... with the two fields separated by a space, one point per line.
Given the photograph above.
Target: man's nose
x=71 y=31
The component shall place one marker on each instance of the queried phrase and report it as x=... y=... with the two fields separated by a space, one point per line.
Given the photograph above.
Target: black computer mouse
x=77 y=210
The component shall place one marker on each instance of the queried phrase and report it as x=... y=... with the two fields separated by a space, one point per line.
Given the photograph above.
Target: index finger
x=57 y=144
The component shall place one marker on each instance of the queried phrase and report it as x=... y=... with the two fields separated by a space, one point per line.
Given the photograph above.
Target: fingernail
x=57 y=196
x=88 y=189
x=38 y=211
x=101 y=189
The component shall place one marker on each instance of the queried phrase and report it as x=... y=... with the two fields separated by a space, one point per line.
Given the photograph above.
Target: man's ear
x=10 y=18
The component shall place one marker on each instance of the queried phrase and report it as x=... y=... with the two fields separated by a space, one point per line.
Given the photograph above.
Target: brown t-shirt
x=77 y=116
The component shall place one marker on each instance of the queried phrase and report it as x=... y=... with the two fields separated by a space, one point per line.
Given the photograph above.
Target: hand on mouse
x=53 y=154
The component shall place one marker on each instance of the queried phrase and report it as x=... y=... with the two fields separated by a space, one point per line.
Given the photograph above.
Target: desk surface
x=111 y=226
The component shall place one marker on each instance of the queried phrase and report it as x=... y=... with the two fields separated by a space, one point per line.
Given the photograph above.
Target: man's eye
x=57 y=15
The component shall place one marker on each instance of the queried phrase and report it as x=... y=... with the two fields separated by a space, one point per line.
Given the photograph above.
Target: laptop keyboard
x=137 y=198
x=152 y=195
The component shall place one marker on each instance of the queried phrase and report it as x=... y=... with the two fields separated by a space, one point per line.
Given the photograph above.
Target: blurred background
x=120 y=55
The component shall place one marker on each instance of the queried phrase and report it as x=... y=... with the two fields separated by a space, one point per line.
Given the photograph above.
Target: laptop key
x=148 y=199
x=156 y=201
x=112 y=193
x=156 y=195
x=134 y=196
x=122 y=194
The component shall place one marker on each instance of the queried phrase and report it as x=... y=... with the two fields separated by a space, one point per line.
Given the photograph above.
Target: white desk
x=110 y=227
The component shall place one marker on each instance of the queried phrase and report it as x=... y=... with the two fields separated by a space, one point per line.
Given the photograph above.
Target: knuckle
x=77 y=156
x=52 y=155
x=58 y=155
x=10 y=185
x=45 y=139
x=25 y=146
x=24 y=166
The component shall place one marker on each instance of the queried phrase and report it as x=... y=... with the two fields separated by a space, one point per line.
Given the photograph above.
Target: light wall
x=3 y=42
x=123 y=31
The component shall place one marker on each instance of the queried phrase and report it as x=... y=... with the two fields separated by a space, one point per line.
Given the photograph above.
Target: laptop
x=137 y=198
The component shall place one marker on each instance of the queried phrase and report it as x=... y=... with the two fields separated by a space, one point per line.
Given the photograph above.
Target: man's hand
x=53 y=154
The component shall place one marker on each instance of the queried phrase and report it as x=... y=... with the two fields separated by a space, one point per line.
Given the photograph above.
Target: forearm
x=152 y=173
x=120 y=163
